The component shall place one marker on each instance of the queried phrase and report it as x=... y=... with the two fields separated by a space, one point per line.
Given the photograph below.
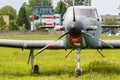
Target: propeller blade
x=50 y=43
x=69 y=53
x=100 y=53
x=97 y=39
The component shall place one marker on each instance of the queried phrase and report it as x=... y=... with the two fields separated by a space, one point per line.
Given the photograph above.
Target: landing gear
x=78 y=70
x=34 y=68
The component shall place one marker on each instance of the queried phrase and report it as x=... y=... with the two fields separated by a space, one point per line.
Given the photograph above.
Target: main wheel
x=36 y=69
x=78 y=72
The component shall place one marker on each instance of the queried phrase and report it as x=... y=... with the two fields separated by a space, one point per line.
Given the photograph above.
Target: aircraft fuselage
x=85 y=21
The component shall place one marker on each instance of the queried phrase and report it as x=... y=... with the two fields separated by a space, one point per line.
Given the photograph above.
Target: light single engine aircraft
x=81 y=29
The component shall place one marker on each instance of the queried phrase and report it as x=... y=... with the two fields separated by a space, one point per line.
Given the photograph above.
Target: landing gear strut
x=34 y=68
x=78 y=70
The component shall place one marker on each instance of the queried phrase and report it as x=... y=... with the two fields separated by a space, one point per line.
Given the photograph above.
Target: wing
x=31 y=44
x=114 y=43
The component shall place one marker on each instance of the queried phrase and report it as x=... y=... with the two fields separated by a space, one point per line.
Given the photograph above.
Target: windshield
x=84 y=12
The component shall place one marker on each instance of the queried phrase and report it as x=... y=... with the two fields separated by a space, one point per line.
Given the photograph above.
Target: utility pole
x=119 y=9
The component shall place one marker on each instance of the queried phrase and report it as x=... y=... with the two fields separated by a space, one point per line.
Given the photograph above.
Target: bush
x=13 y=25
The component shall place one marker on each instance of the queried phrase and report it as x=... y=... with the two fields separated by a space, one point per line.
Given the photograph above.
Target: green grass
x=54 y=66
x=30 y=36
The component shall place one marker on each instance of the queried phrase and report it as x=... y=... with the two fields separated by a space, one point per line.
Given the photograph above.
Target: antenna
x=74 y=11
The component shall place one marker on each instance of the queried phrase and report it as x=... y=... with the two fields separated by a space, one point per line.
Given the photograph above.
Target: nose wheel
x=78 y=70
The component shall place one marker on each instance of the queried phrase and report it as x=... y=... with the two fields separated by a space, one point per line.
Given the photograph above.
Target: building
x=47 y=18
x=117 y=17
x=6 y=19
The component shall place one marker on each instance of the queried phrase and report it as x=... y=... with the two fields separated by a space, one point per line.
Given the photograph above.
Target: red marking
x=32 y=17
x=75 y=40
x=52 y=46
x=48 y=17
x=49 y=24
x=57 y=23
x=57 y=17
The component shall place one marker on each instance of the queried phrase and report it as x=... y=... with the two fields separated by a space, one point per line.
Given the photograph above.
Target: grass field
x=54 y=66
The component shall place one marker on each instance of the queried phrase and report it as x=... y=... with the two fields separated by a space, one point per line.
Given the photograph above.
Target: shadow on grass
x=57 y=72
x=50 y=72
x=100 y=67
x=9 y=74
x=103 y=67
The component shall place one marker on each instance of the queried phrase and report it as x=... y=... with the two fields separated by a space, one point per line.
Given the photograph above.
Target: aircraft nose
x=75 y=28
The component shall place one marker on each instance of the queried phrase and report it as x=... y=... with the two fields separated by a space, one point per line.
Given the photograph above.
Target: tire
x=36 y=69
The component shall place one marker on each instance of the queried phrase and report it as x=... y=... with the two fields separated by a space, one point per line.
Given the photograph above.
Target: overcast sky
x=103 y=6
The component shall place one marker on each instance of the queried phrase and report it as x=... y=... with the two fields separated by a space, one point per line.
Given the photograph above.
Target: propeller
x=100 y=53
x=50 y=44
x=69 y=53
x=97 y=39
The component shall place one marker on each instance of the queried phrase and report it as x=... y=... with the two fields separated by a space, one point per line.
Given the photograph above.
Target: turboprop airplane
x=81 y=29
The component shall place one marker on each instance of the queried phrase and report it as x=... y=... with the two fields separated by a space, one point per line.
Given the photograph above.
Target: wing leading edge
x=32 y=44
x=114 y=43
x=37 y=44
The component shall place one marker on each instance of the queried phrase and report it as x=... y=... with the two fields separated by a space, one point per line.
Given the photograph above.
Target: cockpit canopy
x=83 y=11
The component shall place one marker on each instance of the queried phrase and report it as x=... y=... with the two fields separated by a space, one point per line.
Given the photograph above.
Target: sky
x=103 y=6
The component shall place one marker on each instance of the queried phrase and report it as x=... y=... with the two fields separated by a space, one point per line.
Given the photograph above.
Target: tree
x=13 y=25
x=60 y=8
x=40 y=3
x=8 y=10
x=77 y=2
x=2 y=23
x=23 y=19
